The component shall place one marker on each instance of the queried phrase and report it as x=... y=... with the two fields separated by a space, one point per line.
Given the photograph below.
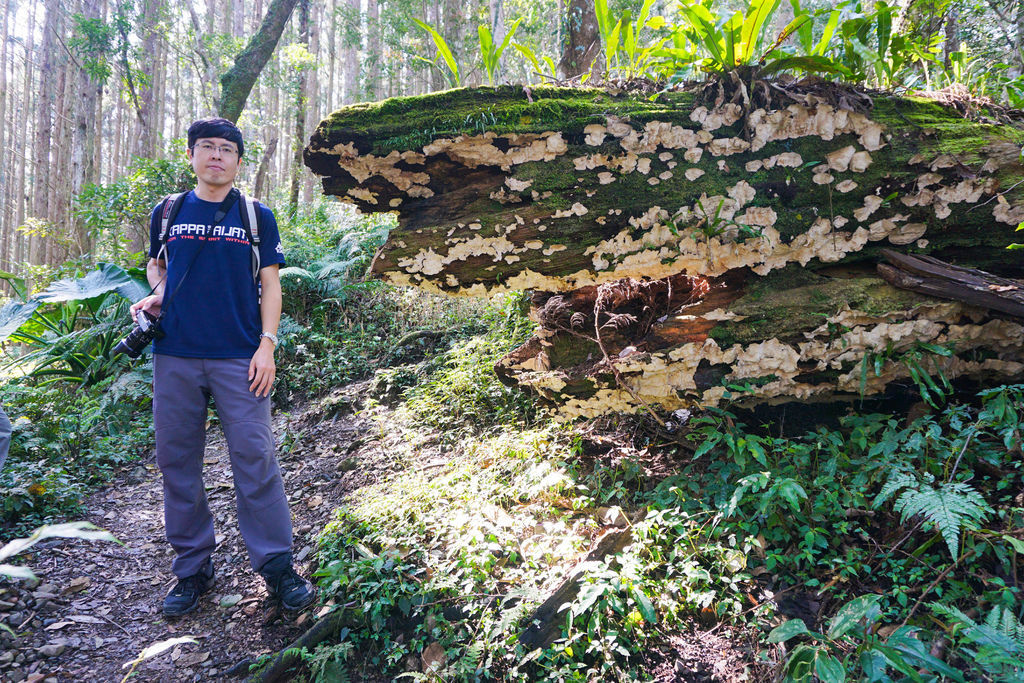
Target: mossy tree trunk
x=237 y=83
x=677 y=249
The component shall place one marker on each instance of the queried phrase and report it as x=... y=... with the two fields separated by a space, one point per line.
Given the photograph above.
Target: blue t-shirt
x=216 y=312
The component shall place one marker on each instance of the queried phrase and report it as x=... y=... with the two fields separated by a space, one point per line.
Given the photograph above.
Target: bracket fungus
x=752 y=263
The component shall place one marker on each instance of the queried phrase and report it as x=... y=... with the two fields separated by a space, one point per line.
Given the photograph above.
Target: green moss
x=788 y=302
x=410 y=122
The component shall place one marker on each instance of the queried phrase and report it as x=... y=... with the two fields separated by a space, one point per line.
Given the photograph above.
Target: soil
x=96 y=606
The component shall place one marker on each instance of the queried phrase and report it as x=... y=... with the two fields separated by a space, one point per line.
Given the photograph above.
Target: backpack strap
x=172 y=205
x=251 y=223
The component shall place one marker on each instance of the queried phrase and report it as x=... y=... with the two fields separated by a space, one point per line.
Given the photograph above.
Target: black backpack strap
x=251 y=222
x=170 y=209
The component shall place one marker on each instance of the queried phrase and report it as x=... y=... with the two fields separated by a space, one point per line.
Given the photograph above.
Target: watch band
x=269 y=335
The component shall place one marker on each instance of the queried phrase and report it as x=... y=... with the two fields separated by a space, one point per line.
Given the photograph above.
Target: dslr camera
x=147 y=328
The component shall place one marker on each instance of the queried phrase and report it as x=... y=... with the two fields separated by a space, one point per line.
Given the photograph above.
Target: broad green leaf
x=14 y=315
x=788 y=629
x=106 y=278
x=865 y=606
x=829 y=669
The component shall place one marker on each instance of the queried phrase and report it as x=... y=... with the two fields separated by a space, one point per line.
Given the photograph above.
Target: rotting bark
x=279 y=667
x=743 y=242
x=933 y=277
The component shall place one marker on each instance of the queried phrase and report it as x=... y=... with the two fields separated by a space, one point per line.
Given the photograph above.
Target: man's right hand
x=151 y=304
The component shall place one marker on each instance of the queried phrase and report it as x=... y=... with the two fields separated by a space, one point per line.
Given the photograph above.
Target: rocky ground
x=97 y=605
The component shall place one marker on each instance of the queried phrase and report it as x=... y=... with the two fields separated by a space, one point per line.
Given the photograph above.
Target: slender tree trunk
x=6 y=159
x=299 y=112
x=583 y=43
x=261 y=173
x=145 y=138
x=351 y=91
x=311 y=106
x=44 y=124
x=952 y=34
x=452 y=32
x=374 y=59
x=83 y=144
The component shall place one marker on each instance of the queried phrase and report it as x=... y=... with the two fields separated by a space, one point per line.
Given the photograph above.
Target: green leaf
x=788 y=629
x=17 y=283
x=644 y=604
x=1016 y=543
x=828 y=668
x=106 y=278
x=952 y=507
x=14 y=315
x=850 y=614
x=826 y=36
x=443 y=50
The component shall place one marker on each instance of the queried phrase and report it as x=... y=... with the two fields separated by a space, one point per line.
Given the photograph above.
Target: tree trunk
x=237 y=83
x=44 y=125
x=6 y=159
x=675 y=250
x=83 y=151
x=299 y=111
x=583 y=43
x=145 y=136
x=353 y=47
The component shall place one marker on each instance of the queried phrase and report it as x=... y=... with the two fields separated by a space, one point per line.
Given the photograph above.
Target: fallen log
x=678 y=246
x=546 y=622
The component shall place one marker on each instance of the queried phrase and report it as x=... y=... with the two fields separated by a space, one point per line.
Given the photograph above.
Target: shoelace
x=288 y=582
x=187 y=585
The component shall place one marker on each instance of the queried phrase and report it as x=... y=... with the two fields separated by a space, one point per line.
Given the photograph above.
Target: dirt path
x=98 y=605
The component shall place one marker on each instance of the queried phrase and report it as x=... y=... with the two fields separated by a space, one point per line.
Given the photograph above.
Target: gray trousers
x=5 y=436
x=181 y=392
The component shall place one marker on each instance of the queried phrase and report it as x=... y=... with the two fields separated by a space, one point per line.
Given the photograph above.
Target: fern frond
x=952 y=507
x=899 y=479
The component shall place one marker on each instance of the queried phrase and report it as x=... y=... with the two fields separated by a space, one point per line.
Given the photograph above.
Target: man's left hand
x=261 y=369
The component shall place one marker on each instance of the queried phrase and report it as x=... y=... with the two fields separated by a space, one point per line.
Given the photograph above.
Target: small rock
x=78 y=584
x=51 y=650
x=230 y=600
x=6 y=657
x=6 y=606
x=433 y=657
x=347 y=465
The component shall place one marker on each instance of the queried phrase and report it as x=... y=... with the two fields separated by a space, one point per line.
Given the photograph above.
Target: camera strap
x=222 y=212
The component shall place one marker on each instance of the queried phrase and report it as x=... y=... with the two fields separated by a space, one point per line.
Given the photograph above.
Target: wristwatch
x=269 y=335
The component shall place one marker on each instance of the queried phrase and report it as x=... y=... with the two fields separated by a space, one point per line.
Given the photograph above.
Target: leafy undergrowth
x=882 y=549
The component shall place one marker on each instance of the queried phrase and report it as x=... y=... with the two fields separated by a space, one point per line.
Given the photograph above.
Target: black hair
x=215 y=127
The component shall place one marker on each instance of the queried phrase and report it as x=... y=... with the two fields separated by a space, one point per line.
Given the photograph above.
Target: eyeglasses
x=210 y=148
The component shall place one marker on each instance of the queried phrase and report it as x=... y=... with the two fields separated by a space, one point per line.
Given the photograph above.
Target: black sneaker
x=283 y=583
x=184 y=597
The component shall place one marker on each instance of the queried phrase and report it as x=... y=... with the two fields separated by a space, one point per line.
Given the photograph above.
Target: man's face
x=215 y=161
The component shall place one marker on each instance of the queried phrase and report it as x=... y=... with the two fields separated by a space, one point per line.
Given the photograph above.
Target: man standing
x=219 y=321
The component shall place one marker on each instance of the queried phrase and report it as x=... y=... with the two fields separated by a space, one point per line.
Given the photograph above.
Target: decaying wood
x=929 y=275
x=279 y=667
x=739 y=246
x=547 y=620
